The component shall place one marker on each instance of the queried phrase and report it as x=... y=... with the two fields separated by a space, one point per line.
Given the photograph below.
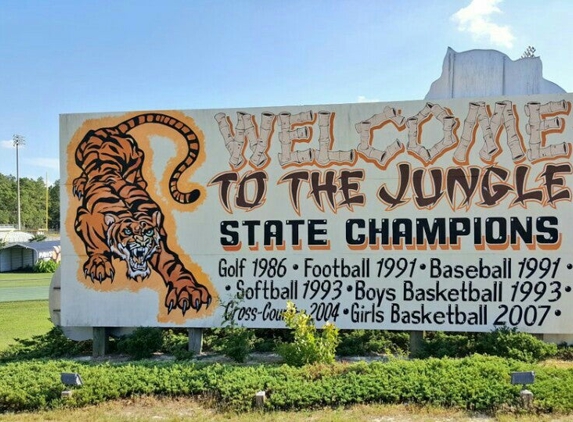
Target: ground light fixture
x=70 y=379
x=524 y=378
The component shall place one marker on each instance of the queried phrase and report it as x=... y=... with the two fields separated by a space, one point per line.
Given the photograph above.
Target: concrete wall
x=485 y=73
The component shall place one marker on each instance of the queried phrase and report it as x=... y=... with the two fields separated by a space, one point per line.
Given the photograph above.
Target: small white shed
x=16 y=256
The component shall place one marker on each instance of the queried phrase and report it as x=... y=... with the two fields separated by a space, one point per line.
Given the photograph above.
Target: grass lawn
x=23 y=320
x=184 y=408
x=24 y=287
x=25 y=279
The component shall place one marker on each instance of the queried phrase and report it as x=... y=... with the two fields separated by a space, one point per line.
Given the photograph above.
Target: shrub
x=53 y=344
x=507 y=342
x=439 y=344
x=564 y=351
x=268 y=338
x=45 y=266
x=365 y=342
x=176 y=344
x=232 y=340
x=265 y=339
x=307 y=346
x=503 y=342
x=142 y=343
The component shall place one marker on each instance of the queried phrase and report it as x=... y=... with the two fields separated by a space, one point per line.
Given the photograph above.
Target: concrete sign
x=450 y=215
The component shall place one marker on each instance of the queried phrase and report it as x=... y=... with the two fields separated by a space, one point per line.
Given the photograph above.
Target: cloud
x=50 y=163
x=476 y=19
x=363 y=99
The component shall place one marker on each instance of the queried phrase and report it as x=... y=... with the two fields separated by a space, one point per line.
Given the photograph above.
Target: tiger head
x=134 y=240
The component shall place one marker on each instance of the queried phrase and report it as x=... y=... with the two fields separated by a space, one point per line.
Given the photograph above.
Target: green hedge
x=477 y=383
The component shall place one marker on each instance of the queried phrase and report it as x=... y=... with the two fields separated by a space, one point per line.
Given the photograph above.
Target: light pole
x=18 y=140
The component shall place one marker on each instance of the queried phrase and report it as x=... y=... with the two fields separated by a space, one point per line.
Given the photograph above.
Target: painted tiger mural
x=118 y=218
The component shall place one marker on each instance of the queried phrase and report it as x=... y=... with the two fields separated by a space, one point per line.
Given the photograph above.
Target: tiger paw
x=186 y=294
x=79 y=186
x=98 y=267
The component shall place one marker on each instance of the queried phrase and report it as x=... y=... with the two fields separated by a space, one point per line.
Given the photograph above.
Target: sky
x=64 y=56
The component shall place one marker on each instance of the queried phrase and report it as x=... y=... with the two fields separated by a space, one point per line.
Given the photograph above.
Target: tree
x=8 y=200
x=54 y=206
x=32 y=203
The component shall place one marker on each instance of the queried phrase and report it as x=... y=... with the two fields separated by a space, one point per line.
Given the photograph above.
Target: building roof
x=46 y=245
x=14 y=236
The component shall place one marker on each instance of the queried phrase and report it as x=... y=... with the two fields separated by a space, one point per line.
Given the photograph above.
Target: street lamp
x=18 y=140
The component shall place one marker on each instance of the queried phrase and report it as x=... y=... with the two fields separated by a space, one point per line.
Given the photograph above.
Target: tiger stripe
x=193 y=148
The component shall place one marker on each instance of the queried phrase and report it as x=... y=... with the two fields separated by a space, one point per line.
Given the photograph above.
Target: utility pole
x=18 y=140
